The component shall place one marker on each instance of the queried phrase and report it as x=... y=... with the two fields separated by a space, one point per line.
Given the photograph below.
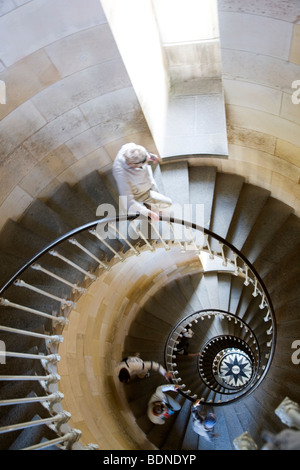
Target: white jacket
x=159 y=395
x=136 y=366
x=133 y=183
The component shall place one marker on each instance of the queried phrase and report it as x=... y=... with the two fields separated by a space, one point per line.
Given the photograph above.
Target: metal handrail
x=60 y=240
x=171 y=220
x=196 y=316
x=132 y=217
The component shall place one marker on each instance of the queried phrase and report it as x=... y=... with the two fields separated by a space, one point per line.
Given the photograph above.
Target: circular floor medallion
x=235 y=368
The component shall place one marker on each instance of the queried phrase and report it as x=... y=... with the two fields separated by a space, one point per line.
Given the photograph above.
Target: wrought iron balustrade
x=134 y=234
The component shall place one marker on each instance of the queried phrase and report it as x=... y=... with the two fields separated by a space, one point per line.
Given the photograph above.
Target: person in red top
x=161 y=405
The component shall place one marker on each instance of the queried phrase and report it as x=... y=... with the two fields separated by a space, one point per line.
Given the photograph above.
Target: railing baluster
x=236 y=272
x=50 y=378
x=85 y=250
x=59 y=419
x=182 y=247
x=192 y=240
x=49 y=357
x=96 y=234
x=113 y=227
x=74 y=265
x=69 y=438
x=21 y=283
x=255 y=292
x=262 y=304
x=142 y=236
x=74 y=287
x=238 y=261
x=55 y=339
x=270 y=330
x=52 y=398
x=166 y=246
x=7 y=303
x=246 y=283
x=211 y=255
x=268 y=316
x=223 y=254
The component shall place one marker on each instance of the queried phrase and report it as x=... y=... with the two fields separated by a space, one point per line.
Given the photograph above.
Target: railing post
x=73 y=241
x=67 y=439
x=74 y=265
x=289 y=413
x=75 y=287
x=50 y=339
x=52 y=399
x=64 y=302
x=8 y=303
x=242 y=270
x=244 y=442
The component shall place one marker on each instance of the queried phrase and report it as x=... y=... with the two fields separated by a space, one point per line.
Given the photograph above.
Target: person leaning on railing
x=134 y=366
x=182 y=348
x=161 y=405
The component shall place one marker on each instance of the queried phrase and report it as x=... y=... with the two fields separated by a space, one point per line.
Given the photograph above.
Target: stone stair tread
x=138 y=331
x=236 y=290
x=222 y=441
x=224 y=283
x=283 y=241
x=20 y=241
x=186 y=287
x=158 y=178
x=142 y=345
x=68 y=204
x=233 y=424
x=272 y=216
x=227 y=191
x=266 y=231
x=93 y=191
x=44 y=221
x=19 y=414
x=249 y=205
x=202 y=186
x=173 y=441
x=32 y=436
x=200 y=287
x=155 y=307
x=110 y=184
x=10 y=264
x=211 y=282
x=190 y=440
x=145 y=318
x=175 y=175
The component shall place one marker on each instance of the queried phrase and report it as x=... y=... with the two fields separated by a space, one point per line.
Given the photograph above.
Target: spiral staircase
x=236 y=323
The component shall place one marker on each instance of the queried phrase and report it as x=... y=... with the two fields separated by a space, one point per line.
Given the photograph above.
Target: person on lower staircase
x=182 y=348
x=204 y=420
x=137 y=187
x=161 y=405
x=134 y=366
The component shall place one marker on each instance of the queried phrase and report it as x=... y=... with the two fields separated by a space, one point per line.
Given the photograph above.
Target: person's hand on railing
x=168 y=376
x=153 y=216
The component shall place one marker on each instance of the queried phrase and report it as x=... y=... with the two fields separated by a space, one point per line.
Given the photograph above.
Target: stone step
x=227 y=192
x=202 y=187
x=264 y=229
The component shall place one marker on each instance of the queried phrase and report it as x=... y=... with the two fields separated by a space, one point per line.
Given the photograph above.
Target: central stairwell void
x=234 y=281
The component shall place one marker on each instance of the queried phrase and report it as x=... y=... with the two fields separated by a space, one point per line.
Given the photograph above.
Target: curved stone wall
x=69 y=102
x=94 y=341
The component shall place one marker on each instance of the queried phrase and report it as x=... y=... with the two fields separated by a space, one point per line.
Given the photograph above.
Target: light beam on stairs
x=171 y=50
